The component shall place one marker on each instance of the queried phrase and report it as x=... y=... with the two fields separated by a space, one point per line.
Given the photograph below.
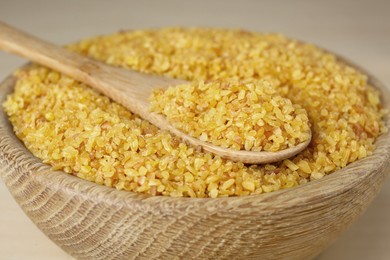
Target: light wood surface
x=130 y=88
x=365 y=42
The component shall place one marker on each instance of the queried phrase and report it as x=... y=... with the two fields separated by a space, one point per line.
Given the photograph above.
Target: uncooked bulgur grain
x=242 y=115
x=73 y=128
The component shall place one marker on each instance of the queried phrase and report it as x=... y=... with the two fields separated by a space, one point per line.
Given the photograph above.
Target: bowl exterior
x=94 y=222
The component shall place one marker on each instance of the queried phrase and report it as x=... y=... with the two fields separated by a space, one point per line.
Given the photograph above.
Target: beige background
x=360 y=30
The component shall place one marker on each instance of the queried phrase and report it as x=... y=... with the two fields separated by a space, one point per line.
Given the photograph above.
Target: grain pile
x=240 y=115
x=73 y=128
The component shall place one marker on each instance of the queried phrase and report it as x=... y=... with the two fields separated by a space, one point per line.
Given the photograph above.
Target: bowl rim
x=330 y=185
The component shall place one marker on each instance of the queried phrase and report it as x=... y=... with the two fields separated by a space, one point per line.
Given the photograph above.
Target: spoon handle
x=129 y=88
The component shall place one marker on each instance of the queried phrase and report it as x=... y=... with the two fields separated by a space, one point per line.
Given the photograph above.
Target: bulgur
x=75 y=129
x=241 y=115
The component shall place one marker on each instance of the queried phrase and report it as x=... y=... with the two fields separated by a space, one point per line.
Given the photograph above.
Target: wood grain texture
x=130 y=88
x=94 y=222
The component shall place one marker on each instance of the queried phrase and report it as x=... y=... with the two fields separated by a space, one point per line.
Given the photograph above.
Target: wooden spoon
x=129 y=88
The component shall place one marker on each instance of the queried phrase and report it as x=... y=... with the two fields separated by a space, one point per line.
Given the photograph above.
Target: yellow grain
x=96 y=139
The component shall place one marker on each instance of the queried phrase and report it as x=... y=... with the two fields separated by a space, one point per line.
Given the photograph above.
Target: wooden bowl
x=90 y=221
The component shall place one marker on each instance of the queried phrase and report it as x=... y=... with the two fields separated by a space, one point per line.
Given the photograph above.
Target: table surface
x=360 y=30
